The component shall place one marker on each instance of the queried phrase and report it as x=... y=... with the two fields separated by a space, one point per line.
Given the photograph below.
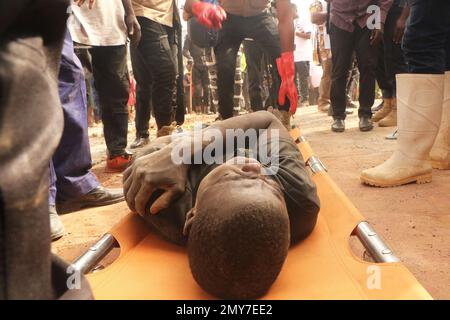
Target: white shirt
x=303 y=47
x=103 y=25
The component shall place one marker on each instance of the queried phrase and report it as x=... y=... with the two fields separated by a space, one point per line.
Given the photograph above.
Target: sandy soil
x=414 y=219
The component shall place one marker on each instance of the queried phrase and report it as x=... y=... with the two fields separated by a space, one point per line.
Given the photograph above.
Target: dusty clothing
x=245 y=8
x=103 y=25
x=30 y=128
x=299 y=193
x=160 y=11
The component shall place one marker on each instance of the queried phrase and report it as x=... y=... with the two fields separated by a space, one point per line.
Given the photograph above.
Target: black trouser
x=391 y=60
x=302 y=70
x=200 y=80
x=109 y=64
x=261 y=28
x=254 y=58
x=343 y=44
x=427 y=38
x=155 y=70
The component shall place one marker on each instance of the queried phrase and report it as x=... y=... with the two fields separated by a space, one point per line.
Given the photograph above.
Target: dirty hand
x=286 y=69
x=209 y=15
x=134 y=30
x=81 y=2
x=152 y=172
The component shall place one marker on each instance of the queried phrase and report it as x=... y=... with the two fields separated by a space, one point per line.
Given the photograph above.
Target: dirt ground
x=414 y=219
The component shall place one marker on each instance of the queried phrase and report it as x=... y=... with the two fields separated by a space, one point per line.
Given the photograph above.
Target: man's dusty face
x=239 y=179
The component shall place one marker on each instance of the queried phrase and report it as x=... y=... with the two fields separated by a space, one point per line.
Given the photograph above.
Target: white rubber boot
x=419 y=98
x=440 y=154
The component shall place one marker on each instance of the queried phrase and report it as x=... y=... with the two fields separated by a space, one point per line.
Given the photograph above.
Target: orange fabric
x=321 y=267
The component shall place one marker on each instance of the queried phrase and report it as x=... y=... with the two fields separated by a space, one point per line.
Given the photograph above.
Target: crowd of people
x=226 y=57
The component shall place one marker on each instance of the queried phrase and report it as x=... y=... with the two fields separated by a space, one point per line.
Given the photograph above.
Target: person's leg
x=440 y=153
x=72 y=159
x=420 y=96
x=381 y=75
x=31 y=124
x=394 y=63
x=112 y=83
x=342 y=54
x=264 y=30
x=303 y=73
x=254 y=55
x=197 y=94
x=366 y=56
x=325 y=86
x=226 y=53
x=77 y=186
x=156 y=51
x=424 y=42
x=143 y=96
x=205 y=86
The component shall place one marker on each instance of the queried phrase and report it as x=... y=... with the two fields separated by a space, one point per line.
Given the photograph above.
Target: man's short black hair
x=239 y=254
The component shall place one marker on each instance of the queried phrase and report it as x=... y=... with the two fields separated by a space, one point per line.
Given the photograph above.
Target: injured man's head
x=238 y=231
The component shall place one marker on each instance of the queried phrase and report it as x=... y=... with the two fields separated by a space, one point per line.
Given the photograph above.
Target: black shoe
x=365 y=124
x=96 y=198
x=139 y=143
x=338 y=125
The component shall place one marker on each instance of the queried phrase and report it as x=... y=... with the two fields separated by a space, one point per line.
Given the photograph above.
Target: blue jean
x=71 y=175
x=427 y=38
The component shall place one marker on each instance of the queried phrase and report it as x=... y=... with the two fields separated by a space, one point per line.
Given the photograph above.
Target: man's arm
x=285 y=25
x=208 y=14
x=377 y=34
x=159 y=171
x=133 y=26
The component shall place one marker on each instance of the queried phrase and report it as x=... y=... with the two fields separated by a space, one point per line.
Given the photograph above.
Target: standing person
x=73 y=186
x=392 y=63
x=322 y=52
x=423 y=97
x=105 y=28
x=155 y=65
x=200 y=75
x=250 y=19
x=303 y=50
x=352 y=30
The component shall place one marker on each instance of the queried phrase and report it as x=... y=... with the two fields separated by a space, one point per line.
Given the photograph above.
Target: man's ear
x=189 y=219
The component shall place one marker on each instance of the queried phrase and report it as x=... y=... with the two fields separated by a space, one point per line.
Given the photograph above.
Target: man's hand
x=152 y=172
x=286 y=69
x=134 y=29
x=399 y=30
x=209 y=15
x=81 y=2
x=377 y=36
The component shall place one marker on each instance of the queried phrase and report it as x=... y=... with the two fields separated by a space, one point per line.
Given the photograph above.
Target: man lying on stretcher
x=237 y=215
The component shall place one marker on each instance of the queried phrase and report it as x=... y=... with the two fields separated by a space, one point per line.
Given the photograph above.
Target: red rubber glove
x=286 y=69
x=209 y=15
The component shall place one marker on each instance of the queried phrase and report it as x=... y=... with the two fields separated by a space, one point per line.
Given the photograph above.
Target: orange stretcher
x=321 y=267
